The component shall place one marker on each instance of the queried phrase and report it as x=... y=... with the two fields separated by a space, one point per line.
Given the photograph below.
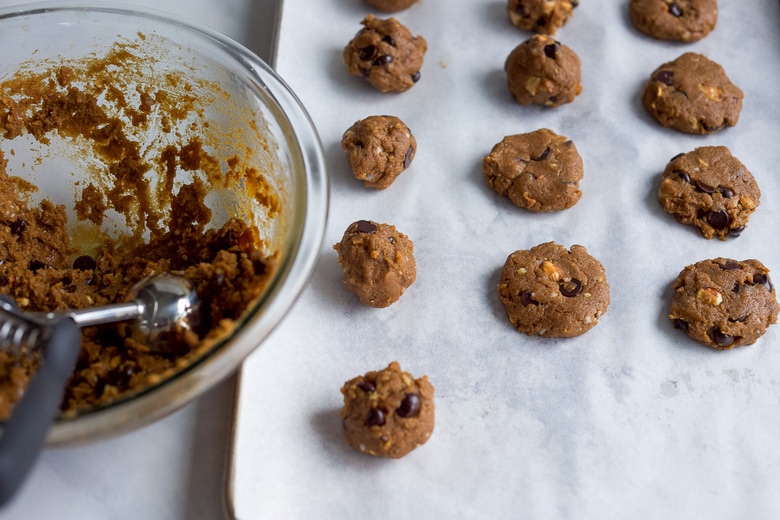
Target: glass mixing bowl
x=242 y=113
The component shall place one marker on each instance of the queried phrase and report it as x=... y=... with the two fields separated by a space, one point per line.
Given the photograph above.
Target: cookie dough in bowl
x=133 y=145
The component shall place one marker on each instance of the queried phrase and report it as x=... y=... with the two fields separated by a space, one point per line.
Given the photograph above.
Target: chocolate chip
x=365 y=72
x=684 y=176
x=729 y=265
x=376 y=417
x=364 y=226
x=521 y=10
x=391 y=239
x=718 y=219
x=408 y=157
x=541 y=22
x=675 y=9
x=35 y=265
x=545 y=154
x=383 y=60
x=367 y=53
x=121 y=375
x=388 y=39
x=737 y=287
x=551 y=48
x=260 y=266
x=721 y=338
x=677 y=157
x=410 y=406
x=741 y=319
x=571 y=288
x=18 y=226
x=526 y=299
x=709 y=128
x=85 y=263
x=704 y=187
x=762 y=279
x=726 y=191
x=664 y=76
x=681 y=324
x=735 y=232
x=416 y=77
x=366 y=386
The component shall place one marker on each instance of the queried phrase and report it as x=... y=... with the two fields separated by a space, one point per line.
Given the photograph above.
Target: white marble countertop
x=174 y=468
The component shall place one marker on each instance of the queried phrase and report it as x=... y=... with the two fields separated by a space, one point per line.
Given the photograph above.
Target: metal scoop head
x=170 y=306
x=161 y=308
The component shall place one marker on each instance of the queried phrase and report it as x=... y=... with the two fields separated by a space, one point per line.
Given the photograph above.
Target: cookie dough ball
x=542 y=16
x=386 y=54
x=724 y=303
x=378 y=262
x=711 y=189
x=543 y=71
x=539 y=171
x=387 y=413
x=692 y=94
x=553 y=292
x=675 y=20
x=378 y=149
x=390 y=6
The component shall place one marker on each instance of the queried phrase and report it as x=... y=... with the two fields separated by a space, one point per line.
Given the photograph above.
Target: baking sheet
x=632 y=419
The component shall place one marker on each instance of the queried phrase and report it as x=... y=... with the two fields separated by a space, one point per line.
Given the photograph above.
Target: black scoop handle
x=25 y=431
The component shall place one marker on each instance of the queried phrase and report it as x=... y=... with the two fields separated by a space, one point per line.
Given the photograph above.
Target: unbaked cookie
x=542 y=16
x=553 y=292
x=378 y=149
x=378 y=262
x=676 y=20
x=724 y=303
x=692 y=94
x=387 y=413
x=386 y=54
x=543 y=71
x=539 y=171
x=390 y=6
x=711 y=189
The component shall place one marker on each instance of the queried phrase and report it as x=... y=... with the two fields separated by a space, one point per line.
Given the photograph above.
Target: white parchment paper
x=632 y=419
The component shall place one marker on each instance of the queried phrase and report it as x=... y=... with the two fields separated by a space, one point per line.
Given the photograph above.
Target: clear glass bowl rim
x=292 y=275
